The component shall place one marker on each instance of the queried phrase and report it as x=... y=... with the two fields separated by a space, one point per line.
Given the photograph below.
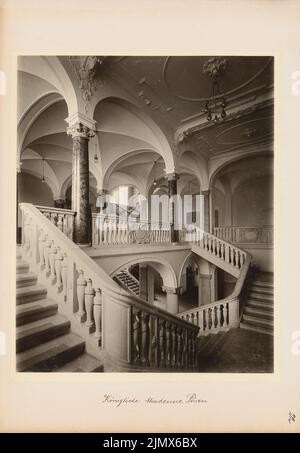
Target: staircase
x=235 y=351
x=44 y=342
x=128 y=281
x=258 y=314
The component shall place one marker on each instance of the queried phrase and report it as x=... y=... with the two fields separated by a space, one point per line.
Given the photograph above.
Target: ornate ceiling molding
x=202 y=99
x=85 y=68
x=249 y=132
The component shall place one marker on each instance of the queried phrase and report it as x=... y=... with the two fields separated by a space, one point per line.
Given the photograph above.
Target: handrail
x=224 y=313
x=100 y=302
x=263 y=234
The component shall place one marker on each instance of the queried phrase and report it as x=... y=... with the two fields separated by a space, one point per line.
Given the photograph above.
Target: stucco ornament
x=214 y=67
x=85 y=69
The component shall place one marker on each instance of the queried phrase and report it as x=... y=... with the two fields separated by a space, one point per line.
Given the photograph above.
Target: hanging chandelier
x=43 y=178
x=96 y=158
x=215 y=106
x=154 y=170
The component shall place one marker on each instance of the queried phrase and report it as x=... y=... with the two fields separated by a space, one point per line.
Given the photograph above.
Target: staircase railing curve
x=132 y=332
x=225 y=313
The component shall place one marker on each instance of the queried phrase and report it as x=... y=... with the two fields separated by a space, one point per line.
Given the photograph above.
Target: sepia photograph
x=145 y=214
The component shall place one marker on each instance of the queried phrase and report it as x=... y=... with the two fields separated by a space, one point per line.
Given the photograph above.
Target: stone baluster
x=97 y=312
x=145 y=340
x=218 y=248
x=52 y=253
x=174 y=346
x=179 y=347
x=46 y=255
x=162 y=344
x=136 y=332
x=88 y=302
x=237 y=260
x=225 y=315
x=168 y=345
x=81 y=284
x=201 y=320
x=231 y=256
x=58 y=270
x=42 y=240
x=53 y=218
x=210 y=321
x=64 y=275
x=60 y=222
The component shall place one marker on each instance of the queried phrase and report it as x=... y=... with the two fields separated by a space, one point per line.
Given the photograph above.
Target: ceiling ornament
x=172 y=83
x=215 y=107
x=85 y=68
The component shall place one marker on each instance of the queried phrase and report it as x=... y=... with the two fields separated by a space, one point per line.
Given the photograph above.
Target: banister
x=48 y=251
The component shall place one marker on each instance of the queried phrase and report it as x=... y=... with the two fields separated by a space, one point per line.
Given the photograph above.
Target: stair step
x=262 y=290
x=258 y=296
x=26 y=279
x=37 y=332
x=85 y=363
x=30 y=294
x=258 y=304
x=263 y=283
x=22 y=266
x=268 y=324
x=255 y=329
x=34 y=311
x=259 y=313
x=51 y=355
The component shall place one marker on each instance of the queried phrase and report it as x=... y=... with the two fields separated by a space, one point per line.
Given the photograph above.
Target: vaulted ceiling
x=147 y=109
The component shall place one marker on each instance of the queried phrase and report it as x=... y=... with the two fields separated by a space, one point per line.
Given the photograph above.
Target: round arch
x=162 y=145
x=162 y=266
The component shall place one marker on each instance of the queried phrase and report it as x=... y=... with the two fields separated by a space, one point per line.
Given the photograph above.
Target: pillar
x=151 y=293
x=172 y=299
x=80 y=181
x=143 y=279
x=204 y=289
x=100 y=203
x=172 y=190
x=206 y=209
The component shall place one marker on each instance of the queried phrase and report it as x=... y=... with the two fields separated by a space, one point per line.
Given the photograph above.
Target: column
x=204 y=289
x=80 y=182
x=143 y=279
x=172 y=190
x=172 y=299
x=100 y=203
x=151 y=294
x=206 y=213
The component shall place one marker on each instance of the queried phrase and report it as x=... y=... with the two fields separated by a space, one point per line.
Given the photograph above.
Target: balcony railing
x=261 y=234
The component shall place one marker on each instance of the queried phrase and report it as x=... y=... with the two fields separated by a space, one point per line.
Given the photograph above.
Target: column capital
x=172 y=176
x=170 y=290
x=81 y=125
x=205 y=192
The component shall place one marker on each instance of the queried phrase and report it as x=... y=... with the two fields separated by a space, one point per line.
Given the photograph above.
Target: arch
x=199 y=168
x=228 y=161
x=52 y=70
x=162 y=145
x=121 y=159
x=161 y=265
x=51 y=184
x=192 y=256
x=67 y=183
x=31 y=115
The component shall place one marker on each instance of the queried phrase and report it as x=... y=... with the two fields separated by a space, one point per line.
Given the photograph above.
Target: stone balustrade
x=261 y=234
x=226 y=313
x=111 y=230
x=130 y=331
x=62 y=218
